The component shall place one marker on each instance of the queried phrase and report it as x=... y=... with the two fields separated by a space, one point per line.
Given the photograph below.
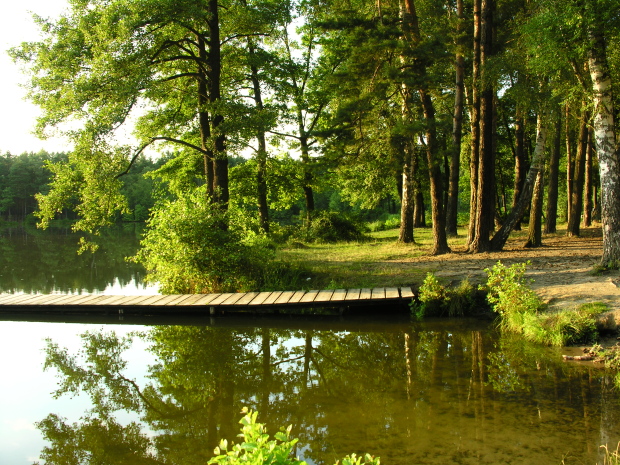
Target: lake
x=433 y=392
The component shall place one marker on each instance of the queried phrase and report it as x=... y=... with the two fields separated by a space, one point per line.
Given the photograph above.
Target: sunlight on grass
x=379 y=262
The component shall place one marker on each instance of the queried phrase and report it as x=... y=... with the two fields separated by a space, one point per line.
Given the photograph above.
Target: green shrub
x=436 y=300
x=257 y=448
x=330 y=227
x=193 y=246
x=520 y=310
x=387 y=221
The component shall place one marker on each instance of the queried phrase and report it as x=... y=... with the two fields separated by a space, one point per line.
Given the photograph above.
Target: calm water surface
x=36 y=261
x=438 y=392
x=427 y=393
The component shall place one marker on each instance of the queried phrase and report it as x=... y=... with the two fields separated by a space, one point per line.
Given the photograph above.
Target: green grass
x=378 y=262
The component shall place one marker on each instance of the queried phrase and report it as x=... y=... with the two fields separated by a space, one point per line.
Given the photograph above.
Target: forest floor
x=561 y=270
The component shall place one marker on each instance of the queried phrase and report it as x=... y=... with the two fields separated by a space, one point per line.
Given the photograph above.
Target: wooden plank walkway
x=213 y=303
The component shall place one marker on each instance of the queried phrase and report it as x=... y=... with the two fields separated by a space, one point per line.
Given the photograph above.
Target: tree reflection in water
x=409 y=394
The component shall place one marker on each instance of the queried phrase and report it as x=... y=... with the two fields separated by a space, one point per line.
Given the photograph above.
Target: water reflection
x=419 y=393
x=36 y=261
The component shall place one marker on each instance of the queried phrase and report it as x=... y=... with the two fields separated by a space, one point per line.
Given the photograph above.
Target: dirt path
x=561 y=269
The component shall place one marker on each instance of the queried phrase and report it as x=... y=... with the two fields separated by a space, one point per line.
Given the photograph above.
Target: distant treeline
x=23 y=176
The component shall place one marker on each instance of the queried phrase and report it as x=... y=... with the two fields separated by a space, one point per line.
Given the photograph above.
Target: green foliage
x=434 y=299
x=520 y=310
x=330 y=227
x=257 y=448
x=188 y=248
x=508 y=291
x=388 y=221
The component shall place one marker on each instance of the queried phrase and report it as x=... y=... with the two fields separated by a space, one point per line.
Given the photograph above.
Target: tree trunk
x=578 y=176
x=407 y=200
x=485 y=201
x=501 y=236
x=569 y=163
x=307 y=172
x=419 y=209
x=440 y=240
x=607 y=150
x=457 y=129
x=520 y=170
x=214 y=70
x=261 y=153
x=587 y=187
x=535 y=227
x=203 y=115
x=475 y=129
x=412 y=35
x=552 y=190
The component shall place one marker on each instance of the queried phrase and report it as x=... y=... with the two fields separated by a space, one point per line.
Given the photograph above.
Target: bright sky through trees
x=17 y=118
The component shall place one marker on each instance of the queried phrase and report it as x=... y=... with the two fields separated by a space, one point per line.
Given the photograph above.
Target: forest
x=488 y=113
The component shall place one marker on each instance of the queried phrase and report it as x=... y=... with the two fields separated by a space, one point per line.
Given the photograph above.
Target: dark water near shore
x=37 y=261
x=436 y=392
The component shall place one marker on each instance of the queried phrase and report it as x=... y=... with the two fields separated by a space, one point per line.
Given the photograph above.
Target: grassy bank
x=381 y=261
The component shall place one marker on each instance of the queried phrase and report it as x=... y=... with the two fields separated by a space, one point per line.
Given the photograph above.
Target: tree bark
x=519 y=153
x=307 y=172
x=412 y=35
x=419 y=209
x=535 y=226
x=552 y=190
x=501 y=236
x=607 y=150
x=576 y=204
x=587 y=186
x=261 y=153
x=203 y=115
x=405 y=234
x=214 y=71
x=457 y=128
x=485 y=201
x=569 y=163
x=475 y=129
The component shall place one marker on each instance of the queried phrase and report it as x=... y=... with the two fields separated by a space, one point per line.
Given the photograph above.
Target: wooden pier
x=249 y=302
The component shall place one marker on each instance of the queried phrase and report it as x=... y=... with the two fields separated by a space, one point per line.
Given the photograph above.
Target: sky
x=17 y=116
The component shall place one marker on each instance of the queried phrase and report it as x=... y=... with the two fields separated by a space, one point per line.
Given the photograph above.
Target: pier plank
x=247 y=298
x=233 y=299
x=221 y=298
x=230 y=299
x=36 y=298
x=260 y=298
x=324 y=296
x=365 y=294
x=81 y=299
x=165 y=300
x=378 y=293
x=284 y=298
x=406 y=293
x=272 y=298
x=392 y=293
x=309 y=297
x=20 y=299
x=353 y=294
x=297 y=297
x=180 y=300
x=205 y=299
x=190 y=299
x=153 y=300
x=339 y=295
x=59 y=299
